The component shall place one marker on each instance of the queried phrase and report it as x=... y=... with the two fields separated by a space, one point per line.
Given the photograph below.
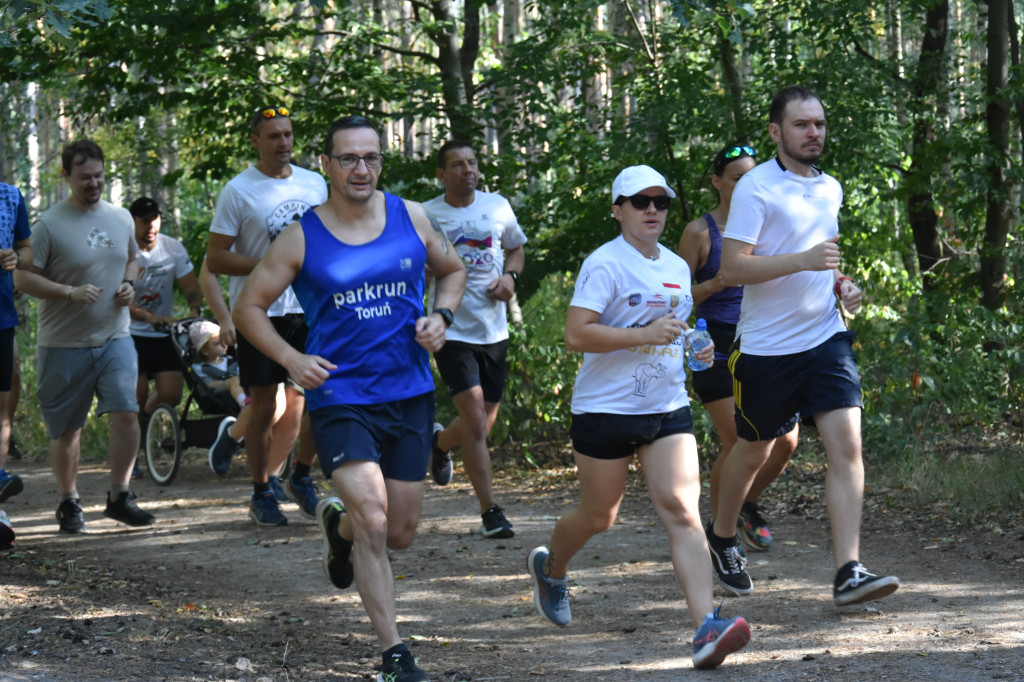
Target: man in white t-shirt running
x=162 y=262
x=252 y=210
x=487 y=236
x=794 y=352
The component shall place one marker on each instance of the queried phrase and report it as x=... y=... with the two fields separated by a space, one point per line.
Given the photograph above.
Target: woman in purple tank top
x=701 y=247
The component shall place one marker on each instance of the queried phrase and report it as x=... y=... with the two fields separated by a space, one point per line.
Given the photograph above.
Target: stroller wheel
x=163 y=444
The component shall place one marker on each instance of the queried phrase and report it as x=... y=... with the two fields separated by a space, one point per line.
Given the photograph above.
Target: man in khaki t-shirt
x=84 y=270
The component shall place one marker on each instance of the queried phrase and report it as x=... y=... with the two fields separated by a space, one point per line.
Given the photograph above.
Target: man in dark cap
x=162 y=261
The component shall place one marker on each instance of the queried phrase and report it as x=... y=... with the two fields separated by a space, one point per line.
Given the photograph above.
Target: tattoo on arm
x=437 y=228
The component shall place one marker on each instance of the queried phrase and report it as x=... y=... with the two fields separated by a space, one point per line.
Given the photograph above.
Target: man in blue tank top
x=356 y=264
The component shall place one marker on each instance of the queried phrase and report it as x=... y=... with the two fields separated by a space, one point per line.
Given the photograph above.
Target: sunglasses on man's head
x=737 y=152
x=641 y=201
x=271 y=112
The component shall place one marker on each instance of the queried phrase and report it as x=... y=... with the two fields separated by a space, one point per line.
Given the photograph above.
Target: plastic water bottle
x=699 y=339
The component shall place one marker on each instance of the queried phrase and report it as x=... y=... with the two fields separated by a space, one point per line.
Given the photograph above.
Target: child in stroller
x=219 y=373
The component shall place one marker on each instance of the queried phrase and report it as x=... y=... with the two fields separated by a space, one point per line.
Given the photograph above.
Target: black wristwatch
x=514 y=275
x=446 y=315
x=128 y=281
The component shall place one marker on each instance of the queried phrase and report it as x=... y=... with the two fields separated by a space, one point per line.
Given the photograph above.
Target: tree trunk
x=928 y=84
x=997 y=118
x=454 y=78
x=734 y=88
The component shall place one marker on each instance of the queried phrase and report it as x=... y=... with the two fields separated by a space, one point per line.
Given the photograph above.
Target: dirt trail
x=204 y=594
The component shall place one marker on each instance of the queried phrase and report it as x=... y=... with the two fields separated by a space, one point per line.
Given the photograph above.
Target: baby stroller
x=166 y=435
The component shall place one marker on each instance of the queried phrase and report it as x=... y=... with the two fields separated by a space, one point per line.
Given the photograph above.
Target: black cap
x=144 y=207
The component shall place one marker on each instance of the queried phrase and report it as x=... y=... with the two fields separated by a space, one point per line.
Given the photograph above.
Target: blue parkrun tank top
x=361 y=304
x=724 y=305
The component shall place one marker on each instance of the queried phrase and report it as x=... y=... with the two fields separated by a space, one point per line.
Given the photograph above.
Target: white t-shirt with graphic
x=631 y=290
x=254 y=208
x=480 y=233
x=154 y=289
x=780 y=212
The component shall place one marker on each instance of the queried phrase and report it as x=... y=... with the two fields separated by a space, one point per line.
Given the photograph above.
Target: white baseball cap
x=636 y=179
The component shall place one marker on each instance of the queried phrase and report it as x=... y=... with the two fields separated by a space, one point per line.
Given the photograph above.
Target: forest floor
x=204 y=594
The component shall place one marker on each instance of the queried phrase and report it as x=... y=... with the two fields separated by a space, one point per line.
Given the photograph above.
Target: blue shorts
x=68 y=377
x=715 y=383
x=395 y=435
x=771 y=391
x=465 y=365
x=615 y=436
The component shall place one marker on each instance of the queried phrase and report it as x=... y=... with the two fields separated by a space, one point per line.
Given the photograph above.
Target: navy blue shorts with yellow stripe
x=771 y=391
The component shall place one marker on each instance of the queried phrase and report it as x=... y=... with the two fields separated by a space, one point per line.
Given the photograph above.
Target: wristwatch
x=446 y=315
x=514 y=275
x=128 y=281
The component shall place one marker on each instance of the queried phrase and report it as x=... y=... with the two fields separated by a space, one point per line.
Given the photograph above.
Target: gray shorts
x=68 y=378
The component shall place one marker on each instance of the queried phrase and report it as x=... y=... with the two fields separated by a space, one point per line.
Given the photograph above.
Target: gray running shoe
x=717 y=638
x=550 y=595
x=441 y=467
x=224 y=448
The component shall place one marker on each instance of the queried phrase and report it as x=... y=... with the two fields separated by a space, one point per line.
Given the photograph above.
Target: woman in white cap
x=627 y=317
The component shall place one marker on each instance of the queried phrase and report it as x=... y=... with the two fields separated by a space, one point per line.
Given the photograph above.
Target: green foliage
x=926 y=382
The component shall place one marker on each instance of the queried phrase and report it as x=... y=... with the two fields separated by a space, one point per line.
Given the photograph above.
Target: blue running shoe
x=275 y=487
x=302 y=491
x=717 y=638
x=550 y=595
x=265 y=512
x=224 y=448
x=10 y=485
x=337 y=551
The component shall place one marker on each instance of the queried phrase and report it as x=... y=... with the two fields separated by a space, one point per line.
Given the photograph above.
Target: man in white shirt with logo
x=795 y=355
x=487 y=236
x=252 y=210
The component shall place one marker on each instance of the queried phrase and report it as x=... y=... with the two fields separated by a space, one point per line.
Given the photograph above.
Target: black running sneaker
x=126 y=510
x=495 y=525
x=441 y=467
x=69 y=516
x=854 y=585
x=401 y=667
x=730 y=567
x=337 y=551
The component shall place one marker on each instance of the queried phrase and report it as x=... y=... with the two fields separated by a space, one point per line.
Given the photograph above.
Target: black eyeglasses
x=373 y=160
x=737 y=152
x=272 y=112
x=641 y=201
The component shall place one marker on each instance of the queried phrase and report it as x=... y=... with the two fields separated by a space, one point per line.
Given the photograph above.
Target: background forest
x=925 y=104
